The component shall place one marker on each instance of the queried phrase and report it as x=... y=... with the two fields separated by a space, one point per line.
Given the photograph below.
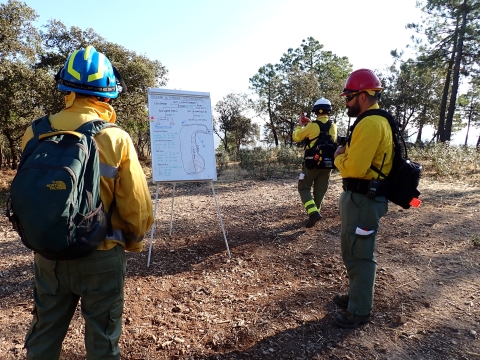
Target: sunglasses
x=349 y=98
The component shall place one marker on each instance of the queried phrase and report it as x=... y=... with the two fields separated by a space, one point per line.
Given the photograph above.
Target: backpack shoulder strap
x=94 y=126
x=41 y=126
x=393 y=123
x=398 y=140
x=396 y=135
x=324 y=135
x=324 y=127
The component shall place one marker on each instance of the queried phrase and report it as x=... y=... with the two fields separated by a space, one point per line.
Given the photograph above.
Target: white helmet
x=322 y=106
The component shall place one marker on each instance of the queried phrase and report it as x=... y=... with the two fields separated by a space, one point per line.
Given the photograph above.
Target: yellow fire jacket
x=312 y=130
x=371 y=141
x=121 y=172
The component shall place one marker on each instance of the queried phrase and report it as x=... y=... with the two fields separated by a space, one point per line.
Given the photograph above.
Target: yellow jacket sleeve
x=312 y=130
x=133 y=213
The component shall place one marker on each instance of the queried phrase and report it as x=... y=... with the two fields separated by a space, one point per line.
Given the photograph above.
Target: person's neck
x=367 y=105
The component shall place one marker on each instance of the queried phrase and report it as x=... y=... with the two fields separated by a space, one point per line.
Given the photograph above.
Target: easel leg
x=171 y=212
x=152 y=231
x=221 y=222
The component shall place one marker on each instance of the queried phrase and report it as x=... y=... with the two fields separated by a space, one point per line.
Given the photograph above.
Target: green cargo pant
x=319 y=178
x=359 y=212
x=98 y=280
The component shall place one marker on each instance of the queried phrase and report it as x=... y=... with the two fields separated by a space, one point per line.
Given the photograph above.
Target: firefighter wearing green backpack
x=316 y=176
x=90 y=81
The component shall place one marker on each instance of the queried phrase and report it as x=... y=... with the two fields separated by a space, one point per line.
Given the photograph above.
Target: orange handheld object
x=415 y=202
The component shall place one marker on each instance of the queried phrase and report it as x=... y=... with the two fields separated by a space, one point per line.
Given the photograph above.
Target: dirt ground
x=273 y=298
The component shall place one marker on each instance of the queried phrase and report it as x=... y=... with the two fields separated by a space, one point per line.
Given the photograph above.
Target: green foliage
x=222 y=160
x=262 y=163
x=292 y=86
x=289 y=158
x=258 y=162
x=412 y=93
x=452 y=33
x=232 y=126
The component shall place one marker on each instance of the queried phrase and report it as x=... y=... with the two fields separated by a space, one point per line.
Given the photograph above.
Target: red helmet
x=362 y=80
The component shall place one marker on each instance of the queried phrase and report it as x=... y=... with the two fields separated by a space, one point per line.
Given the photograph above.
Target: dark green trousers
x=319 y=179
x=98 y=280
x=358 y=211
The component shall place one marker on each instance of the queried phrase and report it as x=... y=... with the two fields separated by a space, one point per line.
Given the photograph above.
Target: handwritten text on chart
x=181 y=134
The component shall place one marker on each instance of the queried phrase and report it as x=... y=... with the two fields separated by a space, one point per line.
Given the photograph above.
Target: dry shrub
x=444 y=160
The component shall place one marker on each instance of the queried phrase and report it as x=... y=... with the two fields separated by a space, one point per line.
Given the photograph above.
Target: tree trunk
x=272 y=123
x=446 y=87
x=13 y=154
x=419 y=134
x=456 y=74
x=224 y=140
x=468 y=128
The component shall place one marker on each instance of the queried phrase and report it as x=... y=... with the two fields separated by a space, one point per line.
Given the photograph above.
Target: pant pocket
x=114 y=328
x=361 y=246
x=46 y=280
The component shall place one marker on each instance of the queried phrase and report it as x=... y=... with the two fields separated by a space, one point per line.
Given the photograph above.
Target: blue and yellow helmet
x=88 y=71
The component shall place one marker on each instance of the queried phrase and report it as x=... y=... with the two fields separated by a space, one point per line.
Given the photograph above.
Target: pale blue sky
x=215 y=46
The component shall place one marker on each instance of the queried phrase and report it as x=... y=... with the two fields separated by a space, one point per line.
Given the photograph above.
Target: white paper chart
x=181 y=135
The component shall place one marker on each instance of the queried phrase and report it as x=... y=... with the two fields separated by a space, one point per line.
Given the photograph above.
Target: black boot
x=313 y=219
x=341 y=300
x=349 y=321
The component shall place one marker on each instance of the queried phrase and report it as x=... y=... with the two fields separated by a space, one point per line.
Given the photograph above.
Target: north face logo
x=57 y=185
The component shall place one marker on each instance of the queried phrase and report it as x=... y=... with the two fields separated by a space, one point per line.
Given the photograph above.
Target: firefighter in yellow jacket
x=319 y=178
x=90 y=81
x=361 y=206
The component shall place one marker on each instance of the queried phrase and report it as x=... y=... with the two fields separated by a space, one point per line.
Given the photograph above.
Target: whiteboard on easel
x=181 y=135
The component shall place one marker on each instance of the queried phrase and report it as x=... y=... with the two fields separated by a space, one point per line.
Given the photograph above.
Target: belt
x=361 y=186
x=355 y=185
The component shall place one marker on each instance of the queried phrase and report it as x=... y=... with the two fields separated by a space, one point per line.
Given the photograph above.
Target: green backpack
x=55 y=203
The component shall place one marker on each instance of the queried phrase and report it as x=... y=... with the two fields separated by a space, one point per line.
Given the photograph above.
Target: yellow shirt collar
x=94 y=108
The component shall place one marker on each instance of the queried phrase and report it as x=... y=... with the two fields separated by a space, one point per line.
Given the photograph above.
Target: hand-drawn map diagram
x=181 y=134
